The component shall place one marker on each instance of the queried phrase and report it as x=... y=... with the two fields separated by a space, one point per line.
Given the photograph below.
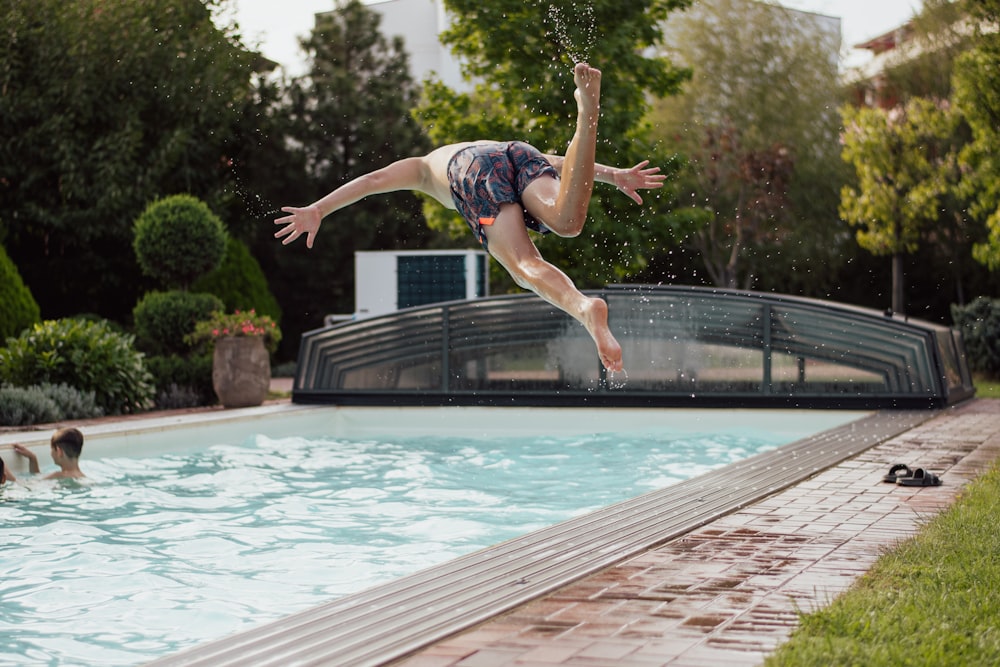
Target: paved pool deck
x=729 y=593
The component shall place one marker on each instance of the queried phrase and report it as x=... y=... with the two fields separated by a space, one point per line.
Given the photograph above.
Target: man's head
x=4 y=475
x=69 y=441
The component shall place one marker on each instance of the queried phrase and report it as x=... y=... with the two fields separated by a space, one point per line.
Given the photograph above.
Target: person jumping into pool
x=66 y=447
x=502 y=189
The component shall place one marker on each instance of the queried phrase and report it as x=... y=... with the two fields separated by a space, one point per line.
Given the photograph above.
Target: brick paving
x=729 y=593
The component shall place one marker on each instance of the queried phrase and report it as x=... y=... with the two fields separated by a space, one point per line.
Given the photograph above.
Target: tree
x=758 y=126
x=350 y=115
x=18 y=309
x=239 y=282
x=905 y=160
x=977 y=96
x=520 y=55
x=105 y=107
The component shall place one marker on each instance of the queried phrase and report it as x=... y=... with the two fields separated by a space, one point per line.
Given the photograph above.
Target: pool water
x=150 y=556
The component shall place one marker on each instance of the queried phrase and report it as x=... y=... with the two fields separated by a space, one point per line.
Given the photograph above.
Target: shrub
x=285 y=370
x=979 y=322
x=175 y=398
x=90 y=356
x=240 y=282
x=182 y=381
x=24 y=406
x=73 y=403
x=18 y=308
x=178 y=239
x=163 y=319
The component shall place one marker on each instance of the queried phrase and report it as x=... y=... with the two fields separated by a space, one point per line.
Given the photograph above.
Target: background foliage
x=87 y=355
x=18 y=308
x=905 y=164
x=239 y=282
x=979 y=322
x=758 y=126
x=106 y=107
x=977 y=95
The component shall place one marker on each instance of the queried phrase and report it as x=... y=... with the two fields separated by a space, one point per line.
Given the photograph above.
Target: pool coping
x=393 y=620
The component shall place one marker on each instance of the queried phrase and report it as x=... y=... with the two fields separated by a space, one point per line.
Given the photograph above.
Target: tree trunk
x=898 y=289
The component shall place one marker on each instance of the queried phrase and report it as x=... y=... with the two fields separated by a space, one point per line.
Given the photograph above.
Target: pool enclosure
x=682 y=346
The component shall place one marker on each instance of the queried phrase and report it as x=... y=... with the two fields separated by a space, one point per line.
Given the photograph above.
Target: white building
x=419 y=23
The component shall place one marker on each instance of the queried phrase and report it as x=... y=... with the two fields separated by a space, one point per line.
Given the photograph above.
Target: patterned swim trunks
x=483 y=176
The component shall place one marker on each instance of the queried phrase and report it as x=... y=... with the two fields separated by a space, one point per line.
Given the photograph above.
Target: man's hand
x=28 y=454
x=301 y=221
x=639 y=177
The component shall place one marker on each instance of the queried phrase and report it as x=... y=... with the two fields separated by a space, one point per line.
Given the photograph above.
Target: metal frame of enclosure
x=683 y=346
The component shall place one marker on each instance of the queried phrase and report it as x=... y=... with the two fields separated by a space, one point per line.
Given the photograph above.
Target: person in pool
x=5 y=475
x=502 y=189
x=66 y=447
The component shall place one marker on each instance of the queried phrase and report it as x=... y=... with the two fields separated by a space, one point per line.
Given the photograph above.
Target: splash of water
x=614 y=383
x=255 y=204
x=575 y=33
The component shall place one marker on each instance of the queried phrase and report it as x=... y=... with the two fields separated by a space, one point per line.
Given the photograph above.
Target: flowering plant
x=246 y=323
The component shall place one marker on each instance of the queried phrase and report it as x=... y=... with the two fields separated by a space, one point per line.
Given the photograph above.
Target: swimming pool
x=156 y=554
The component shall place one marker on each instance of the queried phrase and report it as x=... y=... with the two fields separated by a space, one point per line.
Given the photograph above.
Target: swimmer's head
x=70 y=441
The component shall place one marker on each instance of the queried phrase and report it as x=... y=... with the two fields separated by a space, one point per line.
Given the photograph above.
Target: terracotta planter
x=241 y=371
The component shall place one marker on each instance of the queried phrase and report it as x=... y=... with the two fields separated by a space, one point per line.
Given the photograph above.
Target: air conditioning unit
x=390 y=280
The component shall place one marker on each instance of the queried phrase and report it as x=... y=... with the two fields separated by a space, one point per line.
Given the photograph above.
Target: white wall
x=419 y=22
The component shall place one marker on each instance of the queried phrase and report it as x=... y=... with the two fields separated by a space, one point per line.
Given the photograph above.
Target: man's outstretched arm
x=639 y=177
x=406 y=174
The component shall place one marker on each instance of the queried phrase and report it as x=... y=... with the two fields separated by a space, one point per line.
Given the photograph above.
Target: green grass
x=986 y=388
x=931 y=601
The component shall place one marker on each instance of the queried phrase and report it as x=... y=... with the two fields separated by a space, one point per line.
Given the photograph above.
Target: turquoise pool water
x=152 y=555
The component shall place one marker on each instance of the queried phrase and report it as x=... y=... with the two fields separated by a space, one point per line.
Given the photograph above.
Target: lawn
x=986 y=388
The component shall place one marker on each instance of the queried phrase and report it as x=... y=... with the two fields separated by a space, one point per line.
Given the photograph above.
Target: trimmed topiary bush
x=979 y=322
x=163 y=319
x=89 y=356
x=240 y=282
x=18 y=308
x=178 y=239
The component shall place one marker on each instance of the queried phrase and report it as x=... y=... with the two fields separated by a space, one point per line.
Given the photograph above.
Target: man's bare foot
x=588 y=88
x=595 y=319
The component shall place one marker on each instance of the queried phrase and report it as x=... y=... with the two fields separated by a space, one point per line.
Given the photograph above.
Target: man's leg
x=566 y=213
x=510 y=245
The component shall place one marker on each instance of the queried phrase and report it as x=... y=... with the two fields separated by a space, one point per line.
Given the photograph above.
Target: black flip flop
x=920 y=477
x=897 y=472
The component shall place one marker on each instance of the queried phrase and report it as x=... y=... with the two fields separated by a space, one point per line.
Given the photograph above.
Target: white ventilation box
x=387 y=281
